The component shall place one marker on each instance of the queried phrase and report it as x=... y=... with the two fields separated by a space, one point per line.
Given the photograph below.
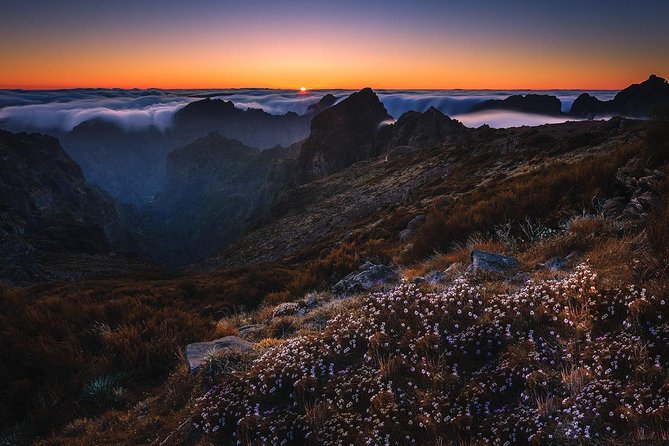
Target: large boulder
x=367 y=277
x=198 y=352
x=410 y=230
x=492 y=262
x=342 y=135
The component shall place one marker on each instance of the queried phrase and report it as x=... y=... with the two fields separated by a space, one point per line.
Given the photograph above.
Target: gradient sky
x=339 y=44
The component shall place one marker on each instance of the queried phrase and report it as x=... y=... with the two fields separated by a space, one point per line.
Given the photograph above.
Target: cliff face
x=48 y=210
x=342 y=135
x=216 y=187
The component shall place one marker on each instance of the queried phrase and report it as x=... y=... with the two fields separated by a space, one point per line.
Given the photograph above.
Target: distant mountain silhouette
x=638 y=100
x=541 y=104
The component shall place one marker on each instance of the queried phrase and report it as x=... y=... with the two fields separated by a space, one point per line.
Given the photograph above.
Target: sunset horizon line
x=318 y=88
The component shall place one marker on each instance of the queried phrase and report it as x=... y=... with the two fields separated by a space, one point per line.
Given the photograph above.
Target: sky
x=349 y=44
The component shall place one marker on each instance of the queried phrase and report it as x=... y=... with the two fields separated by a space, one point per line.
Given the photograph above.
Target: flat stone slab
x=197 y=353
x=491 y=261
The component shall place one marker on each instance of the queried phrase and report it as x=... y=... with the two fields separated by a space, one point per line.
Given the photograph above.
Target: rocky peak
x=342 y=135
x=638 y=100
x=421 y=130
x=326 y=102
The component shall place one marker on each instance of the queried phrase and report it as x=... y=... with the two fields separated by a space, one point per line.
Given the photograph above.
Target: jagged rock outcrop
x=638 y=101
x=540 y=104
x=342 y=135
x=47 y=209
x=420 y=130
x=326 y=102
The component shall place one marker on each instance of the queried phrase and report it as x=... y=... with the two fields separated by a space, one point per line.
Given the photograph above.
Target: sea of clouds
x=62 y=110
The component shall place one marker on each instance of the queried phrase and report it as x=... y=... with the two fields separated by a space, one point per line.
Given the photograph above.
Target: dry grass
x=548 y=194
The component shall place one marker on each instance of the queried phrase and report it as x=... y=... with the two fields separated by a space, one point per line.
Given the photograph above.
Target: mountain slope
x=50 y=216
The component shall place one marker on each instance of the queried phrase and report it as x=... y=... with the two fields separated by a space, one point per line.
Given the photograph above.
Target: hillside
x=483 y=285
x=53 y=224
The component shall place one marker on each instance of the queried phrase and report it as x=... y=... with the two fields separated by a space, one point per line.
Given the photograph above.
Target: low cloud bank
x=137 y=109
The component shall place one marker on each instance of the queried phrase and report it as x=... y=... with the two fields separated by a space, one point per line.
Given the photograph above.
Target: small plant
x=105 y=387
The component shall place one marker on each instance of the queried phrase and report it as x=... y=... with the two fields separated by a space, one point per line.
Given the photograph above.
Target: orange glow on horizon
x=328 y=61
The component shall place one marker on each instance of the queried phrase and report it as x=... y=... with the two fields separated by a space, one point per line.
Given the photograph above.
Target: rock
x=493 y=262
x=541 y=104
x=613 y=208
x=287 y=309
x=198 y=352
x=246 y=330
x=342 y=135
x=410 y=230
x=639 y=206
x=415 y=129
x=431 y=278
x=362 y=280
x=638 y=100
x=311 y=301
x=555 y=263
x=326 y=102
x=588 y=107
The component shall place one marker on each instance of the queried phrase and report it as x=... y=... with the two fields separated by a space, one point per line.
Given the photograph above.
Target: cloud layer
x=136 y=109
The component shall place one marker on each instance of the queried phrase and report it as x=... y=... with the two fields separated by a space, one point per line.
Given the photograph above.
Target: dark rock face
x=540 y=104
x=420 y=130
x=198 y=352
x=637 y=101
x=215 y=188
x=48 y=208
x=644 y=99
x=367 y=277
x=253 y=127
x=342 y=135
x=326 y=102
x=587 y=106
x=492 y=262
